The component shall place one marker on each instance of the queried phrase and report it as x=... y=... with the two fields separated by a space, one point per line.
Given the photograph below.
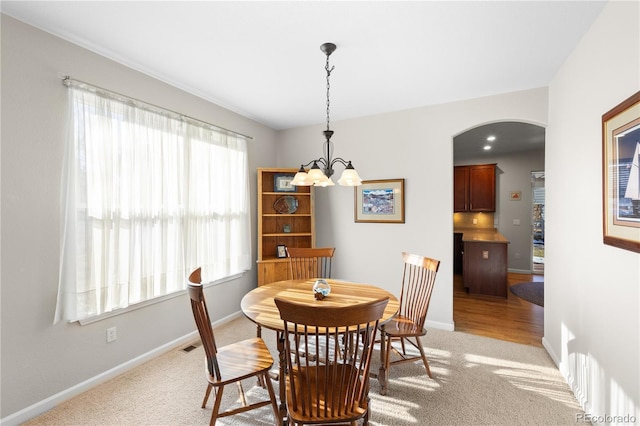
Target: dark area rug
x=531 y=292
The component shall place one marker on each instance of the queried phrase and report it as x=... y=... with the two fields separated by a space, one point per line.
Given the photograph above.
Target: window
x=149 y=196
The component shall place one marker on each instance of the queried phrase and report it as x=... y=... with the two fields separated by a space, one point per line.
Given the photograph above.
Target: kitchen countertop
x=481 y=235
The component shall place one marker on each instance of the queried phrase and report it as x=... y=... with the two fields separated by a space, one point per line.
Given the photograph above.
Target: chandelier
x=316 y=175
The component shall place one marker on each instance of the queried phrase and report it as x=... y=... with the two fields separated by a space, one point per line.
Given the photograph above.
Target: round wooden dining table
x=259 y=306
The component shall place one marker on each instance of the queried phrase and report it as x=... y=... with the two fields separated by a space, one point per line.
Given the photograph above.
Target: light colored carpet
x=477 y=381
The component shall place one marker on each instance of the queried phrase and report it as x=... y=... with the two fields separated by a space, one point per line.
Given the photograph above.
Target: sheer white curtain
x=147 y=197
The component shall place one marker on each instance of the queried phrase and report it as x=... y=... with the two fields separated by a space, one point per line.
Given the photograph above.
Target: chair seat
x=242 y=360
x=401 y=326
x=317 y=380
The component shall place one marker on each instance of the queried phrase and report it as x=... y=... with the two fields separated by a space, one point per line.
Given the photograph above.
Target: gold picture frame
x=620 y=175
x=379 y=201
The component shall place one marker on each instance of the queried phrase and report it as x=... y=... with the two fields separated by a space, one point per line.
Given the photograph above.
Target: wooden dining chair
x=336 y=389
x=306 y=262
x=231 y=363
x=418 y=279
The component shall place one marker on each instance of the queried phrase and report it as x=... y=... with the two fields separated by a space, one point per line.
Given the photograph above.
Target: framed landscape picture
x=380 y=201
x=620 y=175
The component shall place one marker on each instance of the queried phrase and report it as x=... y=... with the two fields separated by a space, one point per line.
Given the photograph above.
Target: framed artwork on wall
x=620 y=175
x=379 y=201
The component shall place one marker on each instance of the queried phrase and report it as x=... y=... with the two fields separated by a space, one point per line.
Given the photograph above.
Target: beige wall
x=592 y=290
x=41 y=360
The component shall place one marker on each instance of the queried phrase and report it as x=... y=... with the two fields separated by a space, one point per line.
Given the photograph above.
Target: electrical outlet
x=517 y=255
x=475 y=221
x=516 y=222
x=111 y=335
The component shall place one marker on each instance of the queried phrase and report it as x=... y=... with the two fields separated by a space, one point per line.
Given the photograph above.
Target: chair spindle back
x=331 y=383
x=418 y=279
x=305 y=262
x=203 y=322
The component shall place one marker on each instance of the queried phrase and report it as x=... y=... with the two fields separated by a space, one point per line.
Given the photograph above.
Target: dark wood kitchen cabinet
x=474 y=188
x=461 y=189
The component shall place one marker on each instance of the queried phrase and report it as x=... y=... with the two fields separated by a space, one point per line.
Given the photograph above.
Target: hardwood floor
x=513 y=319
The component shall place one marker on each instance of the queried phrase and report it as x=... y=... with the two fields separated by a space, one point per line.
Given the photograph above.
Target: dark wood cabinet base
x=485 y=268
x=458 y=250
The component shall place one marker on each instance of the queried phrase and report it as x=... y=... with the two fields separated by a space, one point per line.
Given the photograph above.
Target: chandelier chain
x=326 y=67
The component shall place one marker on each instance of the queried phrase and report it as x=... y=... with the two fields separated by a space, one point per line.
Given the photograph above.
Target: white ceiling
x=263 y=60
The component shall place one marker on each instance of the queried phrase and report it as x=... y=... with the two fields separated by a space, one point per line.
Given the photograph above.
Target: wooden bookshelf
x=295 y=229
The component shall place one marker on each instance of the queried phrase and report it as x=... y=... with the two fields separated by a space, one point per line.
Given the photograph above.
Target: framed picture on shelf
x=380 y=201
x=281 y=251
x=620 y=175
x=282 y=183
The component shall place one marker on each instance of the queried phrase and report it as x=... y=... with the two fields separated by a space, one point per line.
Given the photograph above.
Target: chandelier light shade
x=322 y=168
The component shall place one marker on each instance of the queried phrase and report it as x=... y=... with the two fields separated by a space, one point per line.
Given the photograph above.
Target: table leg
x=382 y=371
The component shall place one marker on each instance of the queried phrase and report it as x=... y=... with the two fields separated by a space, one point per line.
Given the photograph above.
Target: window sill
x=153 y=301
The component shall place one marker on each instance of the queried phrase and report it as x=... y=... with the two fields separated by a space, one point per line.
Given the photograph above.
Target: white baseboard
x=552 y=354
x=520 y=271
x=47 y=404
x=440 y=325
x=566 y=374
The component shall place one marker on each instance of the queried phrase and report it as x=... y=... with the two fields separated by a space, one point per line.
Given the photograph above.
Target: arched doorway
x=517 y=149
